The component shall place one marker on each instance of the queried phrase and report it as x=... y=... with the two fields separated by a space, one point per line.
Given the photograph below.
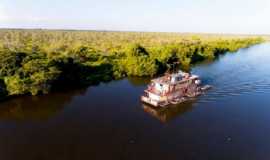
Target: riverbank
x=38 y=61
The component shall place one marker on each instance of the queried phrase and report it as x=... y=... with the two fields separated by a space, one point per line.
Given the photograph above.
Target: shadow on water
x=139 y=81
x=169 y=113
x=36 y=108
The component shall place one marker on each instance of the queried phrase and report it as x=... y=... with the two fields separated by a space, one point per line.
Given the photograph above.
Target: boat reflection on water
x=170 y=112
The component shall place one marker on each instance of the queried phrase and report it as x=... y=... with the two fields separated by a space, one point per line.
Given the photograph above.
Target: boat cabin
x=171 y=87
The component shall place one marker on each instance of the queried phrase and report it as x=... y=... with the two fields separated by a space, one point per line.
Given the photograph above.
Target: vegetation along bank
x=38 y=61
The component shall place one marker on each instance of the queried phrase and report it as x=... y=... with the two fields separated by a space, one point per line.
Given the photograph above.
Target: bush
x=3 y=91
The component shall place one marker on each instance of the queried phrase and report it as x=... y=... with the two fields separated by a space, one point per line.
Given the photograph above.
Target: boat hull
x=173 y=98
x=149 y=101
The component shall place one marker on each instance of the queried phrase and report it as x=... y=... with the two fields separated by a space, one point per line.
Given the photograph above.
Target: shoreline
x=39 y=61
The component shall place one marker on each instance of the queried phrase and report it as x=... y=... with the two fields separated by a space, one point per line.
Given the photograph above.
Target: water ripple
x=246 y=72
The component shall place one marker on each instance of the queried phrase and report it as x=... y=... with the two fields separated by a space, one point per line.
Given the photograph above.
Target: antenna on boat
x=172 y=67
x=175 y=66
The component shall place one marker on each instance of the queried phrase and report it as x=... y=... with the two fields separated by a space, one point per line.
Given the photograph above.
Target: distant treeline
x=37 y=61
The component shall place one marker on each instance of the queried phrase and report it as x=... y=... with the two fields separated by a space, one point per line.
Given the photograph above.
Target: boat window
x=146 y=94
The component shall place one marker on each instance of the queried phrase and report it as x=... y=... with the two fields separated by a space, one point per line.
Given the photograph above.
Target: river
x=108 y=121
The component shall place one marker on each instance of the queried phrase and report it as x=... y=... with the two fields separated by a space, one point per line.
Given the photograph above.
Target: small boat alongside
x=173 y=89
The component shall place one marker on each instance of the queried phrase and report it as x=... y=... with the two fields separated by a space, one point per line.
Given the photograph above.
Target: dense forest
x=37 y=61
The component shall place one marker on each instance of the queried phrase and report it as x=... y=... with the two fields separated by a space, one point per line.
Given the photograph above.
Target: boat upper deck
x=166 y=80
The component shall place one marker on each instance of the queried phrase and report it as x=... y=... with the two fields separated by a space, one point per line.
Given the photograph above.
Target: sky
x=204 y=16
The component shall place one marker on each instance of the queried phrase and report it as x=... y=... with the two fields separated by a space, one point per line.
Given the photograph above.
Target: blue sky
x=215 y=16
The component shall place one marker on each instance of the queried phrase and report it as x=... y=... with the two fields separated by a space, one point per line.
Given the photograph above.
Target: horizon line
x=134 y=31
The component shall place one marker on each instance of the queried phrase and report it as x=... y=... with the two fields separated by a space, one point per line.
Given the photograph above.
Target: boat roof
x=165 y=79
